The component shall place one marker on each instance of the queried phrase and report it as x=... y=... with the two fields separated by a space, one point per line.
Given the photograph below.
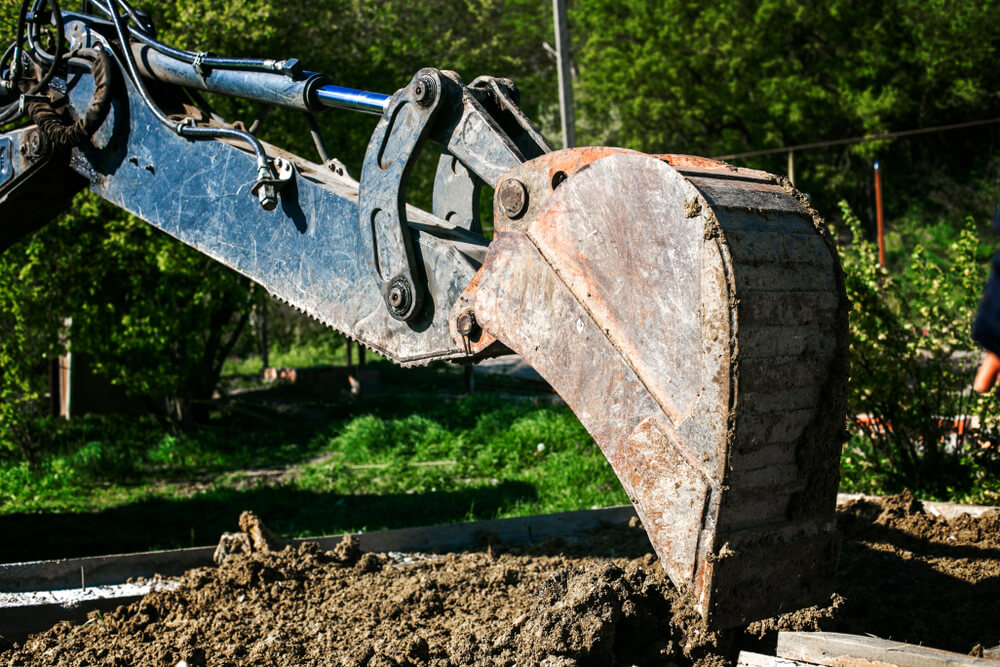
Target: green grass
x=314 y=463
x=544 y=449
x=107 y=485
x=299 y=356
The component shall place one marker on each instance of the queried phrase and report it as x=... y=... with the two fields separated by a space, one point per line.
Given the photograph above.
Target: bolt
x=268 y=197
x=266 y=188
x=399 y=297
x=395 y=296
x=513 y=198
x=291 y=68
x=423 y=90
x=466 y=322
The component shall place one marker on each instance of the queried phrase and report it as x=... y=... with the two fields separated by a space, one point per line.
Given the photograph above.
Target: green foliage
x=734 y=76
x=910 y=368
x=19 y=400
x=156 y=317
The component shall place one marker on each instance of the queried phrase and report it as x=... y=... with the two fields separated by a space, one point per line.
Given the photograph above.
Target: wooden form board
x=842 y=650
x=933 y=507
x=116 y=569
x=36 y=595
x=750 y=659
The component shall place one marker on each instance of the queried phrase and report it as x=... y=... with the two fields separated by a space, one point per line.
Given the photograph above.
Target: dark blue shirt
x=986 y=328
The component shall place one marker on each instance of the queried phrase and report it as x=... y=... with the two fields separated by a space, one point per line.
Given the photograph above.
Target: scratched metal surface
x=691 y=315
x=308 y=252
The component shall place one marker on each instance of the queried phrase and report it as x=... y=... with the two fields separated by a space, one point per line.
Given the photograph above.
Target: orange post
x=878 y=214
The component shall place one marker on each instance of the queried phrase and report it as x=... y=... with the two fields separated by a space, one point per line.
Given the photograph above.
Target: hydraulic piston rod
x=311 y=92
x=349 y=98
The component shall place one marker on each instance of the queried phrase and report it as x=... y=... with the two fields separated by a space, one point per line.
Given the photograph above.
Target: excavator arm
x=692 y=314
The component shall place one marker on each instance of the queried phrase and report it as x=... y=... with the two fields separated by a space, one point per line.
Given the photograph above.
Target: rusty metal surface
x=692 y=314
x=648 y=296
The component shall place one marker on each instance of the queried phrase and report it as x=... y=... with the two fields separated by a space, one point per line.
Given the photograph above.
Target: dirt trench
x=904 y=575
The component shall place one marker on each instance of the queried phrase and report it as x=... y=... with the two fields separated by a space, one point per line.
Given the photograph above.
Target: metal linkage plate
x=309 y=251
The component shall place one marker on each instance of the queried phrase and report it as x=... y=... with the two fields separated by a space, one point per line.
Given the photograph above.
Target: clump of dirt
x=904 y=575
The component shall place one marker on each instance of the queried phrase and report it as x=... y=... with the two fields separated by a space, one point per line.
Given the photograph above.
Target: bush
x=911 y=368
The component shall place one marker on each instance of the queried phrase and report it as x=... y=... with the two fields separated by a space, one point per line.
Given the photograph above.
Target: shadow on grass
x=199 y=520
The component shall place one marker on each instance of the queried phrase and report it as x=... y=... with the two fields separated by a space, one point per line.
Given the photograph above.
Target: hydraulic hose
x=51 y=123
x=183 y=128
x=14 y=110
x=201 y=59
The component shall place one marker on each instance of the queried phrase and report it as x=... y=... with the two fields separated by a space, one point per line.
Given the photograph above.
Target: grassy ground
x=312 y=460
x=299 y=356
x=309 y=463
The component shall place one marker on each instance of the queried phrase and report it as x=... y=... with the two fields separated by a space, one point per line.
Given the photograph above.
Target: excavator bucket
x=693 y=316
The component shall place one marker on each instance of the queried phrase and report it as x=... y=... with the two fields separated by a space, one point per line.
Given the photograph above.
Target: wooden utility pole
x=565 y=75
x=878 y=215
x=263 y=343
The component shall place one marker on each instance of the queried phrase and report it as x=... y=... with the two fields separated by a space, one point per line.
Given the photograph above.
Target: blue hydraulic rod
x=307 y=93
x=349 y=98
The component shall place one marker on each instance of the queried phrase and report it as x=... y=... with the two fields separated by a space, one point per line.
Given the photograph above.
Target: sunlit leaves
x=911 y=366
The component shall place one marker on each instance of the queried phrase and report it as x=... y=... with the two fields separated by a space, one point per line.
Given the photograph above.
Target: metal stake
x=565 y=76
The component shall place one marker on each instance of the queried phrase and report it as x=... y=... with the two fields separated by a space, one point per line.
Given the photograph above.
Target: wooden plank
x=750 y=659
x=17 y=623
x=116 y=569
x=935 y=508
x=24 y=613
x=842 y=650
x=516 y=531
x=68 y=573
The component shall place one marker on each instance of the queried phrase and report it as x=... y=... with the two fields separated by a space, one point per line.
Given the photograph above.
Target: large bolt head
x=513 y=198
x=396 y=297
x=399 y=297
x=35 y=145
x=466 y=323
x=424 y=89
x=268 y=197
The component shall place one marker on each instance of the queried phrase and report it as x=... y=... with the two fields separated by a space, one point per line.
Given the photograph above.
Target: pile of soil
x=904 y=575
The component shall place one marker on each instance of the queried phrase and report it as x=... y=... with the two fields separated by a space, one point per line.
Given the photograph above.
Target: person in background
x=986 y=328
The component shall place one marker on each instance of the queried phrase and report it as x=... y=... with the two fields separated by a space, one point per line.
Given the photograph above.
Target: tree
x=733 y=76
x=155 y=316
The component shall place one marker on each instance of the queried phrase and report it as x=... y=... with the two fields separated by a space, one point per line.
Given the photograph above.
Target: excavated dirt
x=904 y=575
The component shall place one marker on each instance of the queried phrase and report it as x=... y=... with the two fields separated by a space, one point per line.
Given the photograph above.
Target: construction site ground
x=904 y=575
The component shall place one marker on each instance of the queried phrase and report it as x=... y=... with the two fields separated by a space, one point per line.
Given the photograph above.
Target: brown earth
x=904 y=575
